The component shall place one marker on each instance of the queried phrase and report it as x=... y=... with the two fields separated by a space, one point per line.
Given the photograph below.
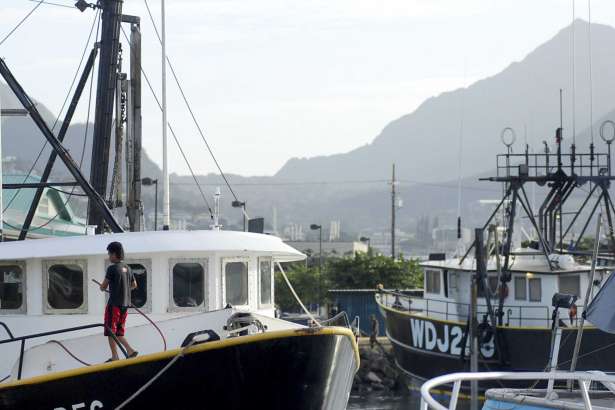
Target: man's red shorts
x=115 y=320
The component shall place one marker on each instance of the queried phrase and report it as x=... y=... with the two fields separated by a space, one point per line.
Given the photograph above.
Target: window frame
x=271 y=285
x=525 y=287
x=529 y=288
x=24 y=282
x=574 y=276
x=83 y=264
x=438 y=272
x=224 y=261
x=147 y=264
x=204 y=306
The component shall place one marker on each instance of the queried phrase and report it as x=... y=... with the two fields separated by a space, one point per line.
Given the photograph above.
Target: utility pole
x=393 y=183
x=105 y=99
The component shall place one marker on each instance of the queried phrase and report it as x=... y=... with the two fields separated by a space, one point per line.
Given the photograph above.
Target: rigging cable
x=57 y=120
x=151 y=88
x=50 y=3
x=196 y=123
x=10 y=33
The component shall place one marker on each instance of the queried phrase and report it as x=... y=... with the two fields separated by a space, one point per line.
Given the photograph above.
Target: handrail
x=414 y=304
x=23 y=339
x=342 y=315
x=583 y=378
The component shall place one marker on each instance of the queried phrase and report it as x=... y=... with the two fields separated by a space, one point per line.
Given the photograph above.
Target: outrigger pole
x=95 y=199
x=52 y=157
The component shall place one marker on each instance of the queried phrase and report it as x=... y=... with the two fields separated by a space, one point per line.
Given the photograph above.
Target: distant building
x=54 y=215
x=330 y=248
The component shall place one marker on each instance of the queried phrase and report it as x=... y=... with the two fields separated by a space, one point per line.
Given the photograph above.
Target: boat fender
x=212 y=336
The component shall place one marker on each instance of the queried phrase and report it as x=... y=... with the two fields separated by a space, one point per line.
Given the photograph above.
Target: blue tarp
x=601 y=310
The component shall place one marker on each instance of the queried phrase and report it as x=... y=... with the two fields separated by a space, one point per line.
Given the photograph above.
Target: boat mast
x=105 y=99
x=166 y=205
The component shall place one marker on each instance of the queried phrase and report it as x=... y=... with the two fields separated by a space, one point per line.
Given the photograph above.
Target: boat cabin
x=527 y=297
x=47 y=284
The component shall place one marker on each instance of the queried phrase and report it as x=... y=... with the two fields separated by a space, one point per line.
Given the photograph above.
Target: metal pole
x=319 y=262
x=478 y=233
x=588 y=295
x=244 y=216
x=393 y=214
x=105 y=99
x=166 y=204
x=156 y=207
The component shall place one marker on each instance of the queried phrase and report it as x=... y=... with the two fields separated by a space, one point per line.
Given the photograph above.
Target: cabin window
x=520 y=288
x=65 y=286
x=535 y=285
x=265 y=273
x=12 y=287
x=188 y=284
x=570 y=285
x=236 y=283
x=432 y=281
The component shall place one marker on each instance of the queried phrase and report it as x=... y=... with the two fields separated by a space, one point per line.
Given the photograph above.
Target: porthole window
x=65 y=286
x=12 y=287
x=188 y=283
x=236 y=282
x=265 y=272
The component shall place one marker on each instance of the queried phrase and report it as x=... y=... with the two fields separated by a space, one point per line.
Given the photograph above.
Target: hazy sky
x=274 y=79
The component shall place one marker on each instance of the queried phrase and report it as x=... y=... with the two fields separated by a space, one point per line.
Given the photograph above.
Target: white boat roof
x=231 y=242
x=529 y=262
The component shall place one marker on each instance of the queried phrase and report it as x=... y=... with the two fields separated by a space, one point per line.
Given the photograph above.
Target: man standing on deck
x=120 y=281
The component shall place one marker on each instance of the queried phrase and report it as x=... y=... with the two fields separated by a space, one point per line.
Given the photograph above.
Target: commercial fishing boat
x=511 y=307
x=210 y=295
x=202 y=315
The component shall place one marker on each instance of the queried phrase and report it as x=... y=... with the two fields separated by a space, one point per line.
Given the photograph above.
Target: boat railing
x=513 y=315
x=23 y=339
x=583 y=379
x=541 y=164
x=341 y=319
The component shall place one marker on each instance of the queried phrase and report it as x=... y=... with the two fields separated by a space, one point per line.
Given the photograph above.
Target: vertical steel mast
x=105 y=96
x=166 y=204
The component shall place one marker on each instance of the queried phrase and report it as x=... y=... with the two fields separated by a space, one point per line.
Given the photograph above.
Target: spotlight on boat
x=83 y=5
x=563 y=300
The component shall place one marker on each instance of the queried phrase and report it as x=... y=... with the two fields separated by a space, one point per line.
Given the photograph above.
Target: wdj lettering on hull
x=444 y=338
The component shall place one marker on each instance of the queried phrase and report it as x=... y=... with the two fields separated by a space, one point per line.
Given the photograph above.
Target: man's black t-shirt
x=120 y=278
